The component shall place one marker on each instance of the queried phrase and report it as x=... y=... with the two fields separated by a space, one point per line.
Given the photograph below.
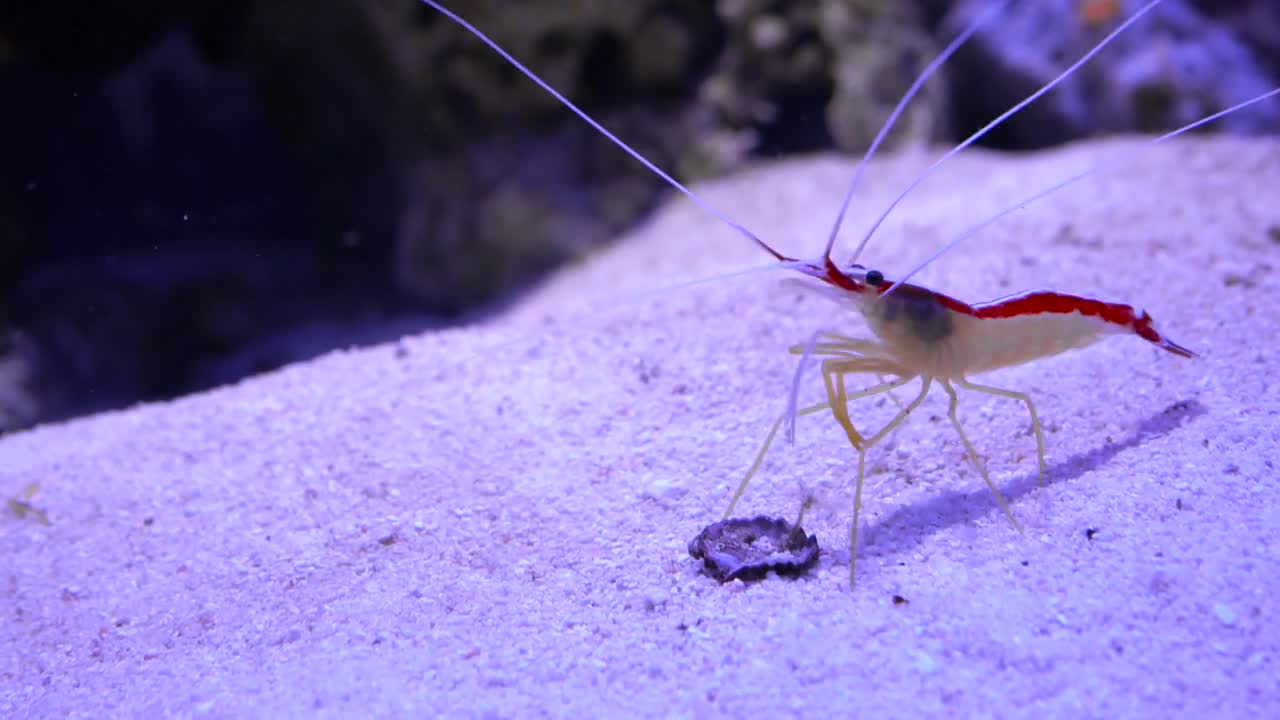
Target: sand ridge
x=491 y=521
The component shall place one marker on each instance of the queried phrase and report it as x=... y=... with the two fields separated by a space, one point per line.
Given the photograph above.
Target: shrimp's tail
x=1144 y=326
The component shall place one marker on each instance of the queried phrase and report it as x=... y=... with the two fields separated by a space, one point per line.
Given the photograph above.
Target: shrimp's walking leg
x=845 y=343
x=768 y=442
x=848 y=363
x=1031 y=408
x=851 y=365
x=894 y=398
x=840 y=369
x=842 y=345
x=973 y=454
x=838 y=398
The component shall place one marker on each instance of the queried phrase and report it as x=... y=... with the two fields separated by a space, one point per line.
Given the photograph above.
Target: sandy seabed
x=492 y=521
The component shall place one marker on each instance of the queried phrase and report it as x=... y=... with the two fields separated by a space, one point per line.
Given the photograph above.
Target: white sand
x=492 y=521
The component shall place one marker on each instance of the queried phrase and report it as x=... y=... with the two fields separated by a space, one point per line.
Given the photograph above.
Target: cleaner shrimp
x=918 y=333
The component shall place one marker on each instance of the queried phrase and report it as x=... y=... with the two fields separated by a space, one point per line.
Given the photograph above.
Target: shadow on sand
x=905 y=528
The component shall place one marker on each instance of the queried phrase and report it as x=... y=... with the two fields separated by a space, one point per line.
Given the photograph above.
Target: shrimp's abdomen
x=985 y=344
x=940 y=336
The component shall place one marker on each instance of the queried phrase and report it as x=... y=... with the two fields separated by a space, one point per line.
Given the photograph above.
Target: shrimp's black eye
x=875 y=278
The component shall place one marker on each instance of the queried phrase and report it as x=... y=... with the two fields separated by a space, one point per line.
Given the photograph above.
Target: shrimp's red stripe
x=1035 y=303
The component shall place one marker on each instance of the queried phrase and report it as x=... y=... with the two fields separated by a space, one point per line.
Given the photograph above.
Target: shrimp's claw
x=1145 y=328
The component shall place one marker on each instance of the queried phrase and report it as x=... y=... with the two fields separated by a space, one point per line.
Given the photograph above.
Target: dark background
x=193 y=192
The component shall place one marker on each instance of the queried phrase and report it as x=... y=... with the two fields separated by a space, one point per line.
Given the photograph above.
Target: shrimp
x=918 y=333
x=926 y=335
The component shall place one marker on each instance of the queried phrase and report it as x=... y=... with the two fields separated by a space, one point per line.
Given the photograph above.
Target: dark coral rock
x=799 y=76
x=747 y=549
x=879 y=49
x=1255 y=22
x=1171 y=67
x=495 y=182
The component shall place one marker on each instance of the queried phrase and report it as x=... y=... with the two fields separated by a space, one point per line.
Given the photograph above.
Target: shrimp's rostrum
x=919 y=334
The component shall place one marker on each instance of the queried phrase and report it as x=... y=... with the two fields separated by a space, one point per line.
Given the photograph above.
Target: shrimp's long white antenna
x=794 y=397
x=929 y=70
x=1097 y=167
x=663 y=290
x=1007 y=114
x=708 y=207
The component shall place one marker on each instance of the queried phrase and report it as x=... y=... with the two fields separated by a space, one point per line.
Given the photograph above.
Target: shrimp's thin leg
x=764 y=449
x=868 y=443
x=848 y=365
x=838 y=398
x=1031 y=408
x=842 y=345
x=973 y=454
x=894 y=398
x=844 y=342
